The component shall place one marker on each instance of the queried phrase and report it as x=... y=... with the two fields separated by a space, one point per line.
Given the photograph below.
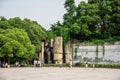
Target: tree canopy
x=15 y=43
x=95 y=20
x=20 y=38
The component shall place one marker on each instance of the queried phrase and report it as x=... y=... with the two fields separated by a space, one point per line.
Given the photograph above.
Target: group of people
x=5 y=65
x=38 y=63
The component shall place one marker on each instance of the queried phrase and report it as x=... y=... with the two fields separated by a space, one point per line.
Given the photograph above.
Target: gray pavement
x=56 y=73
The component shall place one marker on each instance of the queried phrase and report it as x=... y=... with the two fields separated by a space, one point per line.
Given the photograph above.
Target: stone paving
x=56 y=73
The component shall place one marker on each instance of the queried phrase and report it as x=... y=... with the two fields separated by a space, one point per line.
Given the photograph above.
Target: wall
x=88 y=53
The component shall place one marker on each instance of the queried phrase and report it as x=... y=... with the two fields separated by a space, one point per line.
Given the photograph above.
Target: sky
x=45 y=12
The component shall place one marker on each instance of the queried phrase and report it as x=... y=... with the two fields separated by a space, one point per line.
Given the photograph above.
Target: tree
x=15 y=43
x=4 y=24
x=88 y=20
x=97 y=19
x=50 y=35
x=35 y=32
x=115 y=18
x=69 y=18
x=74 y=31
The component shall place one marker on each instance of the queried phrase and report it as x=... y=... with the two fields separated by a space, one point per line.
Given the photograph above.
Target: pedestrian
x=17 y=64
x=39 y=63
x=35 y=63
x=60 y=63
x=6 y=65
x=86 y=65
x=93 y=66
x=42 y=63
x=3 y=64
x=70 y=64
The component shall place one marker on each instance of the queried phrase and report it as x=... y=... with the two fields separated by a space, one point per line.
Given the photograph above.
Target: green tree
x=15 y=43
x=69 y=18
x=74 y=31
x=35 y=32
x=4 y=24
x=97 y=19
x=88 y=20
x=50 y=35
x=115 y=18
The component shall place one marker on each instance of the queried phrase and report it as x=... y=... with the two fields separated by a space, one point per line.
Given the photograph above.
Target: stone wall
x=88 y=53
x=52 y=52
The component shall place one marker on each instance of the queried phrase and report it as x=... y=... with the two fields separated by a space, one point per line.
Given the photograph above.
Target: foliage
x=15 y=42
x=50 y=35
x=95 y=20
x=33 y=30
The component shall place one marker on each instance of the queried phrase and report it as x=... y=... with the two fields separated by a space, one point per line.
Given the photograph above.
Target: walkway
x=56 y=73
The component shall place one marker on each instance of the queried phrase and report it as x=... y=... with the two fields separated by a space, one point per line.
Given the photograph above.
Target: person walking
x=70 y=64
x=93 y=66
x=60 y=63
x=86 y=65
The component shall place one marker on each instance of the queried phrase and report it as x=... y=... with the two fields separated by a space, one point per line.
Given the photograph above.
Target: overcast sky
x=45 y=12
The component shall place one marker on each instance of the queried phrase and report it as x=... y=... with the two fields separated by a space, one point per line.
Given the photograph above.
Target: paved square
x=56 y=73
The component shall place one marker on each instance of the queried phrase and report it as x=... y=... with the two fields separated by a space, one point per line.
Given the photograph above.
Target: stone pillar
x=68 y=53
x=41 y=55
x=40 y=58
x=58 y=49
x=51 y=42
